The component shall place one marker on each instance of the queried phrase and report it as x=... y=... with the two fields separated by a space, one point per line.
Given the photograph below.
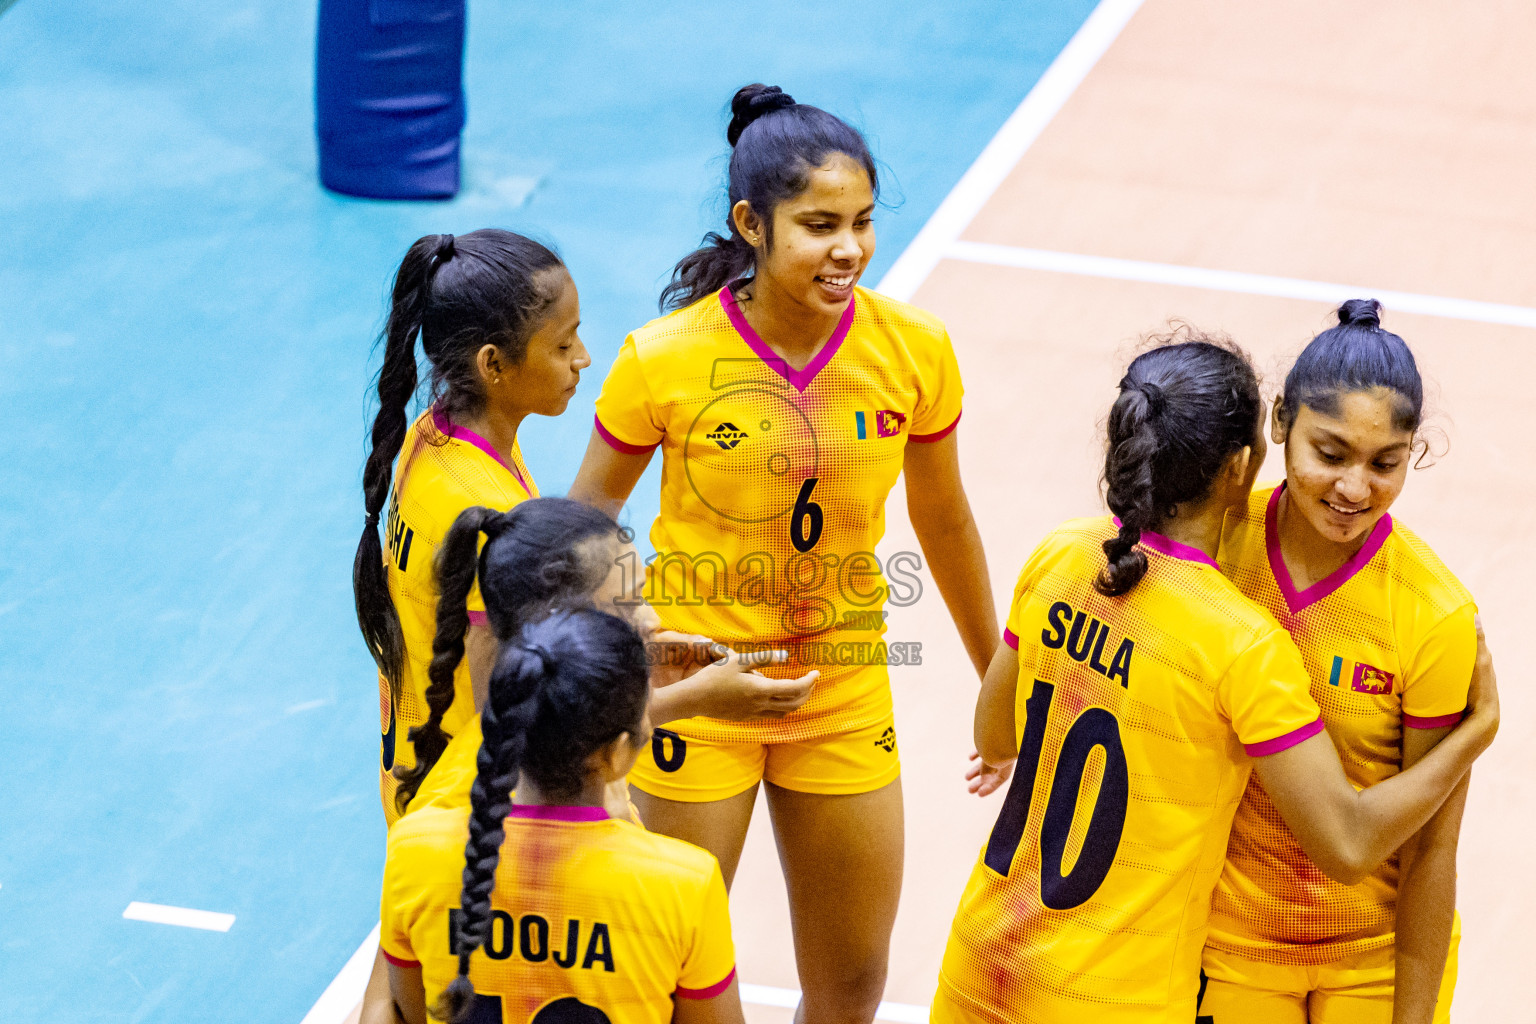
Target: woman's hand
x=985 y=779
x=727 y=687
x=675 y=656
x=732 y=688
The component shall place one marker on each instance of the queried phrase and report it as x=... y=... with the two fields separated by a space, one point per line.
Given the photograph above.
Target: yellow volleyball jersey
x=1389 y=641
x=585 y=908
x=443 y=469
x=773 y=487
x=1137 y=719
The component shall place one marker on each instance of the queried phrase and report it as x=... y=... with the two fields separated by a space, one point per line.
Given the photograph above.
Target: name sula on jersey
x=1085 y=639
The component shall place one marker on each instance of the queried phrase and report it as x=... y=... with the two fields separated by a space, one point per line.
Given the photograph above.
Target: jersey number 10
x=1095 y=727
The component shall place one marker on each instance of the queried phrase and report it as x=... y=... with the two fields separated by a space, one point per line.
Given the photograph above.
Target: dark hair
x=1183 y=409
x=532 y=562
x=459 y=294
x=575 y=682
x=775 y=145
x=1357 y=355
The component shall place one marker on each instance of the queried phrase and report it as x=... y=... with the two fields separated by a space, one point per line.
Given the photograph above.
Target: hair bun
x=752 y=102
x=1360 y=313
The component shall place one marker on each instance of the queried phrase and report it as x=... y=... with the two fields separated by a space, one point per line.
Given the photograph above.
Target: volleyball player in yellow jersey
x=1388 y=637
x=552 y=912
x=497 y=315
x=785 y=401
x=1137 y=696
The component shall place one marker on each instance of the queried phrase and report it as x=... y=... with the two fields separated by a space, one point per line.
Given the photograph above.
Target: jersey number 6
x=805 y=520
x=1095 y=727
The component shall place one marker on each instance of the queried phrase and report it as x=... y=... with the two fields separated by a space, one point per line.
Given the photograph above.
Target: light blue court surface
x=186 y=338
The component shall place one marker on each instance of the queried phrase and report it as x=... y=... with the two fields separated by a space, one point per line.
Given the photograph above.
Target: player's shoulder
x=698 y=321
x=1071 y=548
x=429 y=834
x=1085 y=534
x=915 y=326
x=1418 y=571
x=449 y=475
x=663 y=856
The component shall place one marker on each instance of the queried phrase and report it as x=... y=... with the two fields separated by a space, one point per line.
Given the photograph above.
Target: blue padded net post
x=389 y=97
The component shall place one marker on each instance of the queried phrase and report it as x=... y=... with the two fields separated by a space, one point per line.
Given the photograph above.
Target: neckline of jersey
x=558 y=812
x=798 y=379
x=454 y=432
x=1297 y=600
x=1164 y=545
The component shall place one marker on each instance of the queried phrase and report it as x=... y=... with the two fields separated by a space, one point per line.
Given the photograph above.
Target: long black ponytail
x=1183 y=409
x=457 y=294
x=572 y=684
x=536 y=558
x=775 y=144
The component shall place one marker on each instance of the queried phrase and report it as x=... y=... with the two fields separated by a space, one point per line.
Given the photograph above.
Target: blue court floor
x=186 y=340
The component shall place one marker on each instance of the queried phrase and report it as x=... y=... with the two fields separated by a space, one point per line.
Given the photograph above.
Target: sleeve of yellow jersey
x=1267 y=696
x=938 y=407
x=1015 y=624
x=474 y=603
x=710 y=962
x=400 y=901
x=1435 y=684
x=626 y=414
x=1014 y=627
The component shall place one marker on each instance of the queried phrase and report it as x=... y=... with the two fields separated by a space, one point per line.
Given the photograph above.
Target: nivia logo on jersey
x=887 y=423
x=727 y=436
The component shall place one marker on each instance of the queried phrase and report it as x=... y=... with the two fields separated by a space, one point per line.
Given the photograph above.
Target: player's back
x=585 y=908
x=443 y=470
x=1092 y=894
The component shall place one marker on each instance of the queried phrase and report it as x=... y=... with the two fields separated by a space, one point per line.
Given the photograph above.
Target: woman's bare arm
x=941 y=517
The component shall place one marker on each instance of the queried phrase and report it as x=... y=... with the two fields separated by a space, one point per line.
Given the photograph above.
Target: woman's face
x=544 y=382
x=822 y=239
x=1344 y=471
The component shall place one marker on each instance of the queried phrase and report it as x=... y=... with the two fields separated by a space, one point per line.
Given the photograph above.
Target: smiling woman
x=786 y=400
x=1388 y=635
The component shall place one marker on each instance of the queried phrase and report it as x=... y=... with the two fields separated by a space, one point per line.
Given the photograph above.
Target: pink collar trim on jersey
x=449 y=429
x=1173 y=548
x=1297 y=600
x=557 y=812
x=800 y=379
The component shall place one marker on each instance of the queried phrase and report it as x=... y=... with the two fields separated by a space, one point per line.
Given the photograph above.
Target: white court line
x=346 y=990
x=1234 y=281
x=185 y=917
x=788 y=998
x=911 y=268
x=1007 y=148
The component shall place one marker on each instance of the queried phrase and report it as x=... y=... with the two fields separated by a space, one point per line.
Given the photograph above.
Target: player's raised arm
x=1348 y=833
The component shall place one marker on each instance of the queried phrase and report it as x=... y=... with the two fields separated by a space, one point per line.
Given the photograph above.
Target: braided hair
x=457 y=294
x=775 y=145
x=573 y=683
x=536 y=557
x=1183 y=409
